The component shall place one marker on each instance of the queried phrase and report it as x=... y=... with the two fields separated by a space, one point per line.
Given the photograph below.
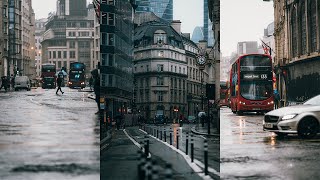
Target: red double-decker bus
x=224 y=93
x=251 y=87
x=48 y=78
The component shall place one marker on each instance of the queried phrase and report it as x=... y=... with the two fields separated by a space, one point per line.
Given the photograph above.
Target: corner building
x=116 y=50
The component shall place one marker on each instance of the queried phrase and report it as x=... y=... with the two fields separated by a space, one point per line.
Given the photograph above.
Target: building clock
x=201 y=60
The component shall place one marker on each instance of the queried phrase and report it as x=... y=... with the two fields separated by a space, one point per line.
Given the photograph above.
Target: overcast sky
x=243 y=20
x=189 y=12
x=43 y=7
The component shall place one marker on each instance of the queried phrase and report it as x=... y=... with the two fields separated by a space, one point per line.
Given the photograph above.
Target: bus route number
x=264 y=76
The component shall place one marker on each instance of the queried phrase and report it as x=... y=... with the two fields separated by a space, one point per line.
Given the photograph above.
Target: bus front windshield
x=75 y=76
x=256 y=90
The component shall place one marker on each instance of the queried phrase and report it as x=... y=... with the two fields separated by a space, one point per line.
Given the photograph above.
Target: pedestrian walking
x=96 y=87
x=4 y=83
x=59 y=83
x=276 y=98
x=12 y=81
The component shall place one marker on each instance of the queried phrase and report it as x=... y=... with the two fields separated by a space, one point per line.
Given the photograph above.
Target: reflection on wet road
x=48 y=136
x=248 y=152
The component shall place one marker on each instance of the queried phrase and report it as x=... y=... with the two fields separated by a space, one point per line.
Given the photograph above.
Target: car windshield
x=313 y=101
x=21 y=79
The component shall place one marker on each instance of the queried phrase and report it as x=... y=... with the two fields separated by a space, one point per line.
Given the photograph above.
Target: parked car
x=301 y=119
x=159 y=119
x=22 y=82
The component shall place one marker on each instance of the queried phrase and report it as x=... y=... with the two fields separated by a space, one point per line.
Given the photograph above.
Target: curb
x=105 y=141
x=203 y=134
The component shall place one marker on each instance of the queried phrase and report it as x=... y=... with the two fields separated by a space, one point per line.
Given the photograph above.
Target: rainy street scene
x=49 y=115
x=48 y=136
x=159 y=89
x=270 y=95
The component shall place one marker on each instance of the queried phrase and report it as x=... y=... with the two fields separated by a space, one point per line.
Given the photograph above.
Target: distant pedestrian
x=4 y=83
x=12 y=81
x=96 y=87
x=91 y=82
x=59 y=83
x=276 y=96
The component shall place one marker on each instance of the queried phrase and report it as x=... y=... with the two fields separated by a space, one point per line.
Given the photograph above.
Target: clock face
x=201 y=60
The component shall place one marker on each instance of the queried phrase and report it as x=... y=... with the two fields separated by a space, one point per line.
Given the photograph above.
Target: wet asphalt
x=48 y=136
x=248 y=152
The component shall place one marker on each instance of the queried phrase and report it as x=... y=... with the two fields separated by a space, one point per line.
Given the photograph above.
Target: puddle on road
x=62 y=168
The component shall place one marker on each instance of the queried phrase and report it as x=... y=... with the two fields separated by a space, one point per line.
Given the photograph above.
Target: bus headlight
x=242 y=103
x=69 y=82
x=271 y=102
x=82 y=83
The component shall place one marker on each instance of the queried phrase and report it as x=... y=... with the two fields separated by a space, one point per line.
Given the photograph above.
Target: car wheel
x=308 y=127
x=240 y=113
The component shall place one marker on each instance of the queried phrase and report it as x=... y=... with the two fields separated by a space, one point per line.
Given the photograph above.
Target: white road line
x=135 y=142
x=194 y=166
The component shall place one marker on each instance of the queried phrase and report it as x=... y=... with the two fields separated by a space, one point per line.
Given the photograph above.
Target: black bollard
x=170 y=138
x=148 y=169
x=161 y=133
x=187 y=141
x=168 y=172
x=205 y=157
x=146 y=146
x=192 y=150
x=154 y=171
x=141 y=166
x=165 y=136
x=157 y=133
x=177 y=139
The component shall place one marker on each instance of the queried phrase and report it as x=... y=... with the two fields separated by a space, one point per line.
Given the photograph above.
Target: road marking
x=136 y=143
x=194 y=166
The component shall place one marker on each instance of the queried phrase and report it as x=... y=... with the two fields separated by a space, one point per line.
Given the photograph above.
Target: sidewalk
x=119 y=161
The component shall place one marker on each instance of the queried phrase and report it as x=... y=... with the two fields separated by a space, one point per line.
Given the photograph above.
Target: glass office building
x=161 y=8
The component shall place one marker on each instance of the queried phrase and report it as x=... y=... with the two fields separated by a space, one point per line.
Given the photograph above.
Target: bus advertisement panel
x=251 y=86
x=48 y=79
x=77 y=76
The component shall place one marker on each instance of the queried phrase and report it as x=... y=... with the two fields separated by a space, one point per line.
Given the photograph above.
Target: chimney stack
x=176 y=25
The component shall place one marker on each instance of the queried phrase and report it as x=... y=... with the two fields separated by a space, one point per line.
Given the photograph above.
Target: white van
x=22 y=82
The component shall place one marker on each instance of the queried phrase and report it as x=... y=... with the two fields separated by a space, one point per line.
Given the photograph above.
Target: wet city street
x=48 y=136
x=248 y=152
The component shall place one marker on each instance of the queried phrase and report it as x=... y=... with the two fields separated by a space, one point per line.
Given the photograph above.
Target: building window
x=107 y=39
x=160 y=67
x=110 y=2
x=161 y=54
x=72 y=54
x=147 y=67
x=107 y=59
x=59 y=54
x=59 y=64
x=111 y=21
x=175 y=68
x=72 y=44
x=110 y=83
x=313 y=26
x=54 y=54
x=50 y=55
x=160 y=81
x=65 y=54
x=303 y=29
x=294 y=33
x=83 y=24
x=179 y=69
x=160 y=96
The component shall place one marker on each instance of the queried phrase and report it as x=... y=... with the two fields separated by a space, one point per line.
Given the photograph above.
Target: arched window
x=160 y=37
x=313 y=25
x=294 y=32
x=303 y=28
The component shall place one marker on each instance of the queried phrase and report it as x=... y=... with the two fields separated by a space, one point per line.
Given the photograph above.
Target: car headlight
x=289 y=116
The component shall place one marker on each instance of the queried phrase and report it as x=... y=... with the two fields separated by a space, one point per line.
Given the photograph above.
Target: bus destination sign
x=255 y=76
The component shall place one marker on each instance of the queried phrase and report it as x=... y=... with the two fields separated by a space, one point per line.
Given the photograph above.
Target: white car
x=22 y=82
x=301 y=119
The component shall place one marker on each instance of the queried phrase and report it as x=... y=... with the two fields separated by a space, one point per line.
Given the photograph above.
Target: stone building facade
x=297 y=42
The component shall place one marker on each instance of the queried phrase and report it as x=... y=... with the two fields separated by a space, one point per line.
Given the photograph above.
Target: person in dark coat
x=4 y=83
x=59 y=83
x=96 y=87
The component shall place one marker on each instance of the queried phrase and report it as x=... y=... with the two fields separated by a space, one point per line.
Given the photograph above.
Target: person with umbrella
x=59 y=82
x=96 y=87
